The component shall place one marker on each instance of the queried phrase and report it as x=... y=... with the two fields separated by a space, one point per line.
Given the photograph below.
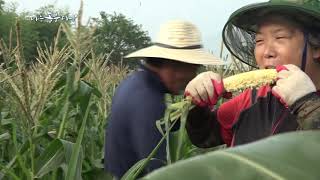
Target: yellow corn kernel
x=250 y=79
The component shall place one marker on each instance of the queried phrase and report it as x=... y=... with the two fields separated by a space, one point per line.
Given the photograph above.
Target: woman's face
x=278 y=42
x=281 y=42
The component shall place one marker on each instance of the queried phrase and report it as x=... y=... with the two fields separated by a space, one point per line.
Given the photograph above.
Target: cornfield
x=50 y=108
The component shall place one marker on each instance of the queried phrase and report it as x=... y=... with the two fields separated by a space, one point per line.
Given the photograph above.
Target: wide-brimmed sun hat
x=180 y=41
x=239 y=32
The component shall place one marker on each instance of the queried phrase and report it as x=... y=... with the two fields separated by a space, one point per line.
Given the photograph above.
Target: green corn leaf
x=50 y=159
x=75 y=164
x=4 y=136
x=182 y=133
x=23 y=149
x=137 y=169
x=130 y=174
x=167 y=136
x=97 y=174
x=56 y=154
x=9 y=172
x=292 y=155
x=82 y=94
x=84 y=71
x=69 y=88
x=5 y=122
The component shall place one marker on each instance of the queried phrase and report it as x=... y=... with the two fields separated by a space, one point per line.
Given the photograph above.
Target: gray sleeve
x=308 y=112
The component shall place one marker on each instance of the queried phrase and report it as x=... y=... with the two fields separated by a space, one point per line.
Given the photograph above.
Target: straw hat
x=180 y=41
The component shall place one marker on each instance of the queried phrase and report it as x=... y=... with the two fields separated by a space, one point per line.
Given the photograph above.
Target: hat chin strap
x=304 y=54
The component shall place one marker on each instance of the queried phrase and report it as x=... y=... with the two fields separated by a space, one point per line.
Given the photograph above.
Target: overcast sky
x=208 y=15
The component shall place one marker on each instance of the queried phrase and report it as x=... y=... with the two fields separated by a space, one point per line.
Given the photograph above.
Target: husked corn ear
x=249 y=79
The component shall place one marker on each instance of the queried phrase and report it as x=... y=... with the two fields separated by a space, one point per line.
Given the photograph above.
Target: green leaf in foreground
x=292 y=155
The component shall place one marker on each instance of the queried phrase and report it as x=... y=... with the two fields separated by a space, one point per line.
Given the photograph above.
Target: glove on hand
x=292 y=84
x=205 y=89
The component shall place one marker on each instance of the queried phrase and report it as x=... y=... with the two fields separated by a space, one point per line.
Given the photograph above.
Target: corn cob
x=249 y=79
x=236 y=83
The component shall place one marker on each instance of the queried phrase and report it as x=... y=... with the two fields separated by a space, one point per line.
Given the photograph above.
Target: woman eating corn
x=279 y=34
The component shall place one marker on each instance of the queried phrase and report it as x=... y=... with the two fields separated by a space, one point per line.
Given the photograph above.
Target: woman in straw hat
x=279 y=34
x=139 y=100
